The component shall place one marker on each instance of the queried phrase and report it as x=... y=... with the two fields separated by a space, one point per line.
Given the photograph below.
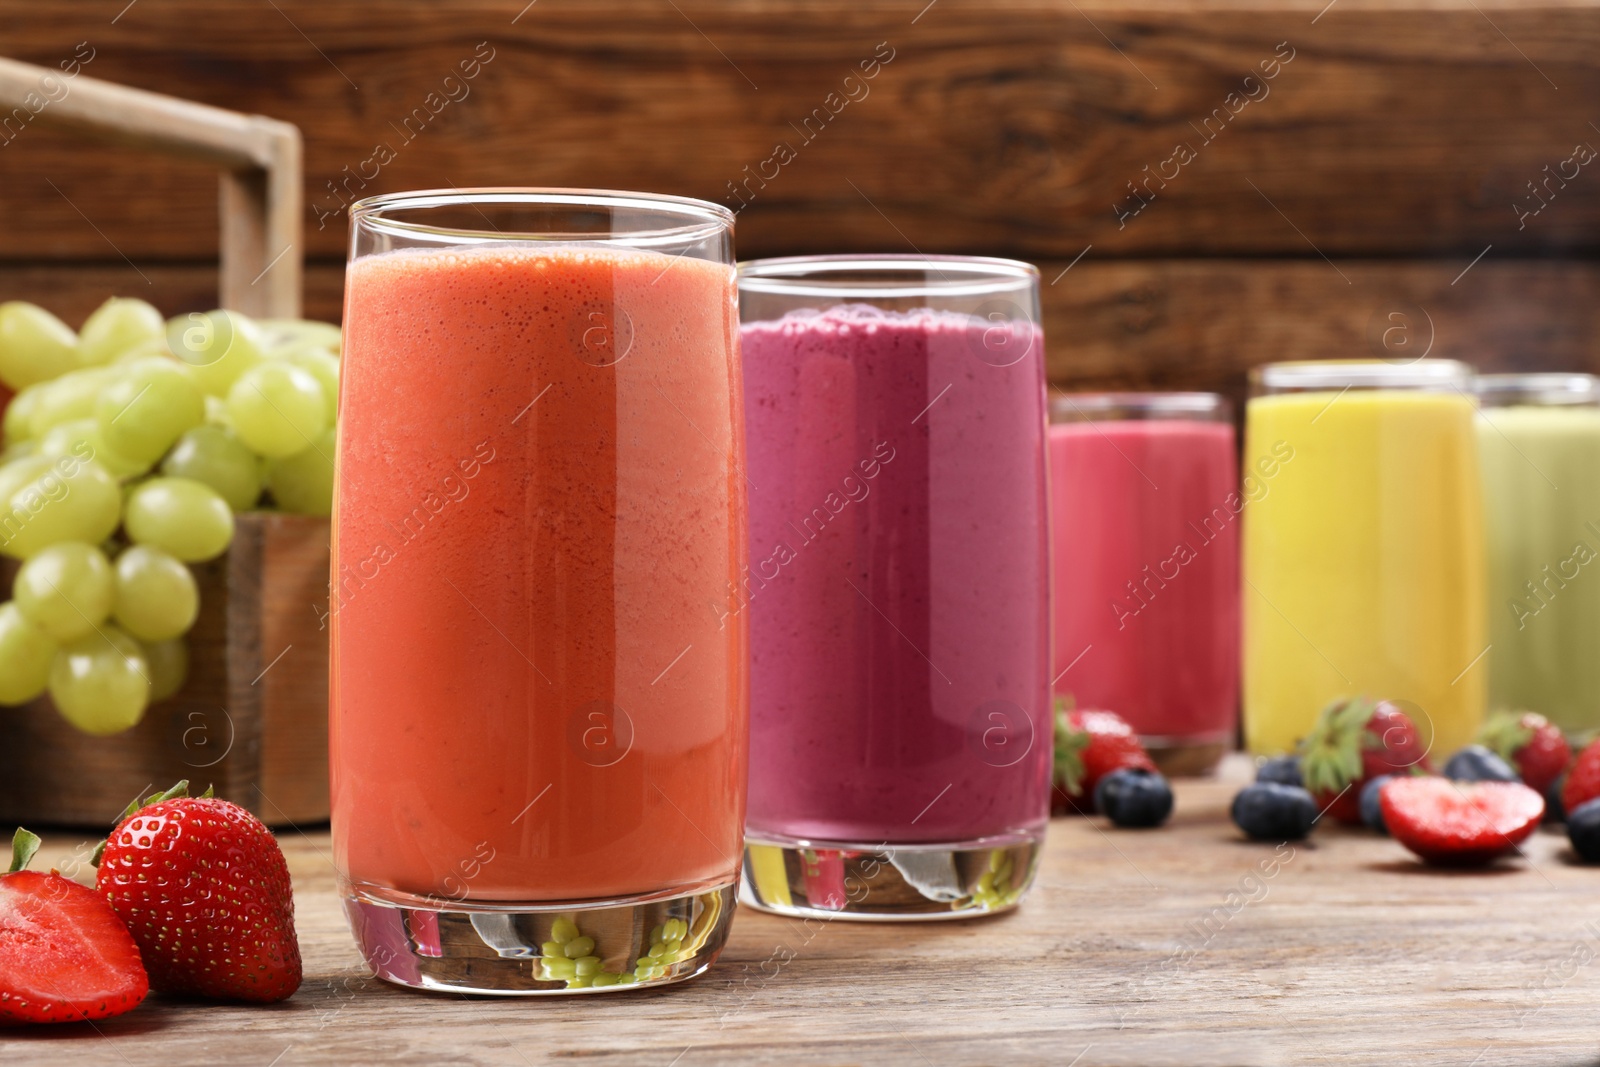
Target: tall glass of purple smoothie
x=897 y=594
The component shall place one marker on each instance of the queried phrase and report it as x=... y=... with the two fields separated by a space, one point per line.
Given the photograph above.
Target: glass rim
x=788 y=275
x=1322 y=374
x=1538 y=389
x=1085 y=407
x=703 y=219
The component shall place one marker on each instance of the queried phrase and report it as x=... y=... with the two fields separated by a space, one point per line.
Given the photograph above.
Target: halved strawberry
x=1583 y=778
x=1460 y=822
x=1529 y=742
x=65 y=956
x=204 y=890
x=1090 y=745
x=1353 y=742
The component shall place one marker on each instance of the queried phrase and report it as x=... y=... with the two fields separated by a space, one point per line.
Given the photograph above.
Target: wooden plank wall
x=1204 y=186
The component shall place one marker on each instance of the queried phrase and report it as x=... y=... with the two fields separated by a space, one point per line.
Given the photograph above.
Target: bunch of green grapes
x=995 y=889
x=128 y=447
x=569 y=956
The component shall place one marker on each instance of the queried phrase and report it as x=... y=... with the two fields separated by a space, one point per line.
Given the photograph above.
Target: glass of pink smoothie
x=897 y=590
x=1147 y=503
x=538 y=727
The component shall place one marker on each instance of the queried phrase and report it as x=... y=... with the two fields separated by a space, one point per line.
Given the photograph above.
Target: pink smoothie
x=1146 y=535
x=897 y=594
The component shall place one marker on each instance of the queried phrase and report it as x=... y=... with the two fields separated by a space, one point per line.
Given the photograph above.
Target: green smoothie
x=1541 y=469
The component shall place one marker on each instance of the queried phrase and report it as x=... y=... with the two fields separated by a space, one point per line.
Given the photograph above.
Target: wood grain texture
x=292 y=683
x=1135 y=324
x=244 y=722
x=1161 y=947
x=260 y=189
x=1010 y=127
x=1196 y=324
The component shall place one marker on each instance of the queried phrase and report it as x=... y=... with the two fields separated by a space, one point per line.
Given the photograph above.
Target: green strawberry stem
x=23 y=845
x=1504 y=734
x=1331 y=753
x=1069 y=746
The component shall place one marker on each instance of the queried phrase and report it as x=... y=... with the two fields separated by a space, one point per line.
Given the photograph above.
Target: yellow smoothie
x=1364 y=563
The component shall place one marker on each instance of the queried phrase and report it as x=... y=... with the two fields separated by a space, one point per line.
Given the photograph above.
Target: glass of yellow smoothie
x=1363 y=557
x=1539 y=437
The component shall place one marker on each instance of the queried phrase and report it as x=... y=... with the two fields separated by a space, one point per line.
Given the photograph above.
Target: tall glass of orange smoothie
x=538 y=731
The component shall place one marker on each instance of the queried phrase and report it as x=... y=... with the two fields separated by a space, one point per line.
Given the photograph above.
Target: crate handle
x=260 y=201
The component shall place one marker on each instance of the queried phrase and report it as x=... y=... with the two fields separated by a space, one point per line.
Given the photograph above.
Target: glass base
x=889 y=883
x=524 y=950
x=1187 y=757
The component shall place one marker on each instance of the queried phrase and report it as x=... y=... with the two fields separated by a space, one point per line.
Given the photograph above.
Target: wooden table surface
x=1186 y=945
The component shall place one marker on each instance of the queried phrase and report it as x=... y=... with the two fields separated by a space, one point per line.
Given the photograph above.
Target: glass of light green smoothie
x=1539 y=437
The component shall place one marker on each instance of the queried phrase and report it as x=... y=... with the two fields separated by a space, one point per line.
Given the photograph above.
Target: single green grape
x=35 y=346
x=321 y=365
x=25 y=656
x=215 y=456
x=81 y=438
x=156 y=595
x=148 y=407
x=66 y=590
x=169 y=666
x=116 y=326
x=65 y=499
x=303 y=482
x=558 y=968
x=281 y=333
x=71 y=396
x=180 y=516
x=277 y=409
x=16 y=426
x=101 y=683
x=156 y=349
x=218 y=346
x=17 y=473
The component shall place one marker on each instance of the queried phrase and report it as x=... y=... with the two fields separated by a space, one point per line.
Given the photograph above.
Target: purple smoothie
x=897 y=595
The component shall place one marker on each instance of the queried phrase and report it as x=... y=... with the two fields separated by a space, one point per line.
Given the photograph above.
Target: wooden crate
x=252 y=720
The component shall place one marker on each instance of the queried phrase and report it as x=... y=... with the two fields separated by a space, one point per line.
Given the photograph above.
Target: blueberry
x=1272 y=811
x=1477 y=764
x=1554 y=810
x=1134 y=798
x=1371 y=805
x=1583 y=830
x=1285 y=770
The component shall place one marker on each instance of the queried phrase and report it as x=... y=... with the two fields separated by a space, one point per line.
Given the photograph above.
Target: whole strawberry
x=65 y=956
x=1090 y=745
x=1583 y=779
x=1353 y=742
x=204 y=890
x=1531 y=743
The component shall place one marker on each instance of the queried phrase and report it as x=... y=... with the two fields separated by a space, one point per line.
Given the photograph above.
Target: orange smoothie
x=538 y=689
